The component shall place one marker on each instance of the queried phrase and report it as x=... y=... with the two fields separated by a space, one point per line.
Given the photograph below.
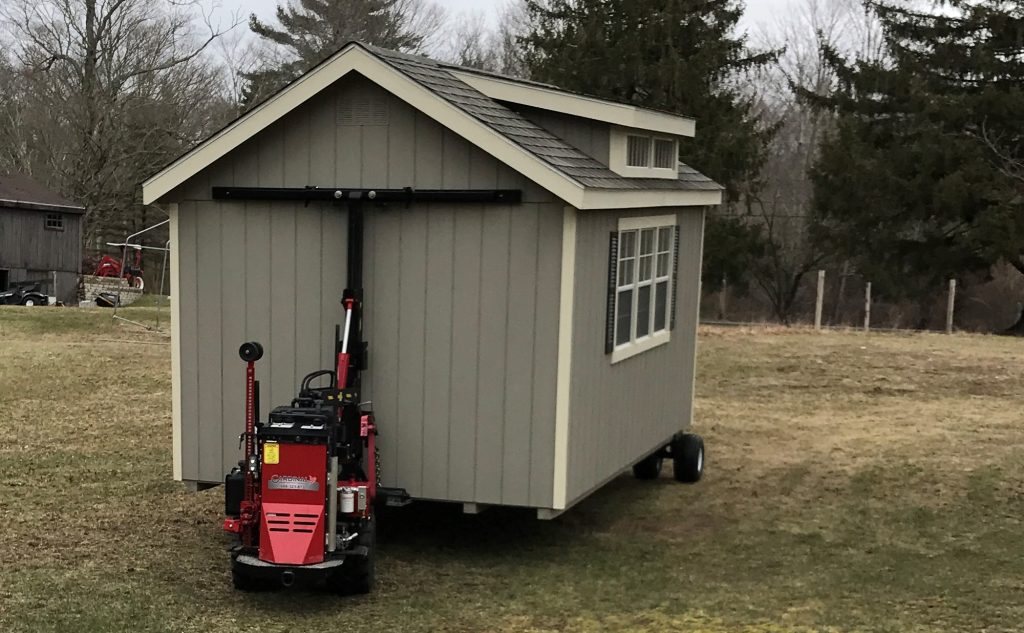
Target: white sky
x=758 y=13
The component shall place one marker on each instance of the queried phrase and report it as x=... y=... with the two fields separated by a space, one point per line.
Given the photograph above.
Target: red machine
x=301 y=502
x=111 y=267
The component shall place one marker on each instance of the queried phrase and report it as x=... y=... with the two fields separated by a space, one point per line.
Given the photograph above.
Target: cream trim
x=564 y=372
x=356 y=59
x=649 y=198
x=696 y=316
x=629 y=350
x=578 y=105
x=172 y=211
x=647 y=222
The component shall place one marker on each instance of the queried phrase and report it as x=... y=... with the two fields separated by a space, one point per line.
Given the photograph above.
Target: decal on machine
x=292 y=482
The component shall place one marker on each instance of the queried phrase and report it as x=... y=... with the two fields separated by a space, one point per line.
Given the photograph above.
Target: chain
x=376 y=463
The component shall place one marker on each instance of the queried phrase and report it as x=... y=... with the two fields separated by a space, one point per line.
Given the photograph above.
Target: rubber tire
x=360 y=577
x=648 y=467
x=28 y=302
x=687 y=457
x=242 y=582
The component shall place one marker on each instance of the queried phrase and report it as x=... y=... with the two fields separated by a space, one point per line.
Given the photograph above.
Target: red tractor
x=110 y=267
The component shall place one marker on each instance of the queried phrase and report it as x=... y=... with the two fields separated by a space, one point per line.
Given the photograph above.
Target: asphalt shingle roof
x=22 y=191
x=556 y=152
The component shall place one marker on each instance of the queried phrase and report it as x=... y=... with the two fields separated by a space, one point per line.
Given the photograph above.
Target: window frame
x=653 y=338
x=57 y=220
x=619 y=154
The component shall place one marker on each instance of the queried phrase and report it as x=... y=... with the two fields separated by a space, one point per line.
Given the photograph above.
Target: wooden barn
x=521 y=352
x=40 y=238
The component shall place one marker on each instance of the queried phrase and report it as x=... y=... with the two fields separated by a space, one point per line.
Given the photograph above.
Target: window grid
x=664 y=153
x=638 y=151
x=54 y=222
x=642 y=301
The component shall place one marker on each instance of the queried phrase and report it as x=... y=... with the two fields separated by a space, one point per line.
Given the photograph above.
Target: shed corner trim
x=564 y=371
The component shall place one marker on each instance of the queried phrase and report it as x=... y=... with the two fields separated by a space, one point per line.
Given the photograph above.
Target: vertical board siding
x=32 y=252
x=591 y=137
x=621 y=412
x=461 y=304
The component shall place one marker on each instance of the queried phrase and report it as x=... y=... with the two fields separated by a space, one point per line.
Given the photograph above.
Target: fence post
x=722 y=298
x=820 y=300
x=867 y=307
x=950 y=302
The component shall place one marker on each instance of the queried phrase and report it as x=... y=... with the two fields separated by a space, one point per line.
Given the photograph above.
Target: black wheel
x=648 y=467
x=358 y=574
x=687 y=457
x=243 y=582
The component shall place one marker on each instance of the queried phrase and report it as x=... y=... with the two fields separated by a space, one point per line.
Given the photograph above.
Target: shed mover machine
x=302 y=500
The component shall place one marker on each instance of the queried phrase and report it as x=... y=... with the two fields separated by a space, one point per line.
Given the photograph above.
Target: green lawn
x=854 y=483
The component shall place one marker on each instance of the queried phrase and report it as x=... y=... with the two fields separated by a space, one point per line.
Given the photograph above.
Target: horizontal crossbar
x=408 y=194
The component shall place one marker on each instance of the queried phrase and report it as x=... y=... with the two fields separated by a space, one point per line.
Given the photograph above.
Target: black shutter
x=675 y=278
x=613 y=265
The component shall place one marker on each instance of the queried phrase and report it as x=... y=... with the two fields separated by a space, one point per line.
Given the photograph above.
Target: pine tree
x=915 y=183
x=312 y=30
x=682 y=56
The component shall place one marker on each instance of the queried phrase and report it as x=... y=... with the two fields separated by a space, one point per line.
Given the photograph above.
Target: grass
x=855 y=483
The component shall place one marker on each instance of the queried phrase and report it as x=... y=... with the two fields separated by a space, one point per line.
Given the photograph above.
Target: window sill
x=629 y=350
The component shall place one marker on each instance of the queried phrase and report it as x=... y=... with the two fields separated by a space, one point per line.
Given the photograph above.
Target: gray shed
x=520 y=354
x=40 y=238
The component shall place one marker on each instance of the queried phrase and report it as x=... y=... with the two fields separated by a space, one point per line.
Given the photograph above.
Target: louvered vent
x=360 y=110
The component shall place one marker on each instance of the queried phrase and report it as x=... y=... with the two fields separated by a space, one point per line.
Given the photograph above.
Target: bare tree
x=110 y=90
x=470 y=41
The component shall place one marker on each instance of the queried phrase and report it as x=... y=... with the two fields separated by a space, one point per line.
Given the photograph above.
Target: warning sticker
x=271 y=453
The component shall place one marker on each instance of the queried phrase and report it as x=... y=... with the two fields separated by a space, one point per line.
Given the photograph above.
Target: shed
x=40 y=237
x=521 y=353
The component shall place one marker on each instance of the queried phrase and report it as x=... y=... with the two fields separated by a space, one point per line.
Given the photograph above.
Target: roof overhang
x=536 y=96
x=355 y=58
x=41 y=206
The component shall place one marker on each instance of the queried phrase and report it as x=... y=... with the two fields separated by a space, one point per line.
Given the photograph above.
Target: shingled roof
x=449 y=94
x=21 y=192
x=436 y=77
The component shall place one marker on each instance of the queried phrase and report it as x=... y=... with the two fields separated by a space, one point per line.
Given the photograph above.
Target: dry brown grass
x=855 y=483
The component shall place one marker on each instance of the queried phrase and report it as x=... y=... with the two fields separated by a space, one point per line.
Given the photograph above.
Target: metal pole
x=950 y=303
x=820 y=300
x=867 y=307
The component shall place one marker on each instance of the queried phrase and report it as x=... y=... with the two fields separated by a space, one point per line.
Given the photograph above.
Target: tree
x=312 y=30
x=471 y=42
x=106 y=93
x=915 y=182
x=677 y=55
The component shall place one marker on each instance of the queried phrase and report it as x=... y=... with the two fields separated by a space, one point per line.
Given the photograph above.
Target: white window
x=644 y=269
x=638 y=155
x=55 y=221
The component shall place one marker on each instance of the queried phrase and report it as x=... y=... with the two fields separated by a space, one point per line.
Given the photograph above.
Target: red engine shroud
x=294 y=494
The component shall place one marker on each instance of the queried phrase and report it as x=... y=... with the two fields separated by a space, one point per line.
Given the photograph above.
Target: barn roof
x=444 y=92
x=21 y=192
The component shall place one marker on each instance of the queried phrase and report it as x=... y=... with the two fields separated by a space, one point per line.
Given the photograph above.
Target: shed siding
x=461 y=301
x=619 y=413
x=30 y=251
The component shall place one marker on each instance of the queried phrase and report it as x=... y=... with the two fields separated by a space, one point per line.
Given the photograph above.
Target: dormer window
x=639 y=155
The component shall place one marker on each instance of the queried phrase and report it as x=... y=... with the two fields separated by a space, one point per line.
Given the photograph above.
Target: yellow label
x=271 y=453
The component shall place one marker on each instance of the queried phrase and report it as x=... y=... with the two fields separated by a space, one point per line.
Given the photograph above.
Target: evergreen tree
x=678 y=55
x=312 y=30
x=913 y=182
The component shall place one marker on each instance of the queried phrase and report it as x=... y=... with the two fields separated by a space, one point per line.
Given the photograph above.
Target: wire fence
x=843 y=299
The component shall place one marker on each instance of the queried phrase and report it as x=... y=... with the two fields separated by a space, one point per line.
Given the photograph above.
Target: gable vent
x=362 y=110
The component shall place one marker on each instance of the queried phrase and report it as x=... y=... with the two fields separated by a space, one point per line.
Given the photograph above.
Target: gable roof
x=432 y=88
x=21 y=192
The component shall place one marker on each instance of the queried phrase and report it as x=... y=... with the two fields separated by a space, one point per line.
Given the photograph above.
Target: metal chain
x=376 y=463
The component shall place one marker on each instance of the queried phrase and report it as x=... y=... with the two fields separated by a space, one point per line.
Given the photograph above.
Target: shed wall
x=620 y=413
x=589 y=136
x=461 y=301
x=30 y=251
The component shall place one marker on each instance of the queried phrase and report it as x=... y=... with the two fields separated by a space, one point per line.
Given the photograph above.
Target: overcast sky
x=758 y=11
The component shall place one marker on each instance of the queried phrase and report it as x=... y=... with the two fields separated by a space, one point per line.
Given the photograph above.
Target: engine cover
x=293 y=488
